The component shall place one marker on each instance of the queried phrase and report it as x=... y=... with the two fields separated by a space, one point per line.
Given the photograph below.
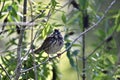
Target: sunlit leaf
x=64 y=18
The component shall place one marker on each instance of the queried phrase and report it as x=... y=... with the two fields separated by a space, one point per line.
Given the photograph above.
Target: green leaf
x=74 y=18
x=75 y=52
x=64 y=18
x=83 y=4
x=46 y=30
x=71 y=60
x=118 y=29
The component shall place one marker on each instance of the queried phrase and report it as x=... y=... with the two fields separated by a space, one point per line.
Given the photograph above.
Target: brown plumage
x=52 y=44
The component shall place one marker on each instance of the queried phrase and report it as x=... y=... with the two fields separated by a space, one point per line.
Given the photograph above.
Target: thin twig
x=18 y=68
x=5 y=72
x=44 y=62
x=83 y=52
x=19 y=23
x=33 y=57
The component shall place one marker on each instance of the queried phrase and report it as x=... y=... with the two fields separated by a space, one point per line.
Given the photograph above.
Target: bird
x=52 y=43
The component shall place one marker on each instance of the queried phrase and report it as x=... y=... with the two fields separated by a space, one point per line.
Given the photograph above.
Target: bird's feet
x=59 y=55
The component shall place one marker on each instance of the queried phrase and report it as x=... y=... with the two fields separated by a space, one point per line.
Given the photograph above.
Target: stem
x=83 y=55
x=19 y=49
x=33 y=56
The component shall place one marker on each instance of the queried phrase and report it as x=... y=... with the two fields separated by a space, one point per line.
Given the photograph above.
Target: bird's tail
x=37 y=51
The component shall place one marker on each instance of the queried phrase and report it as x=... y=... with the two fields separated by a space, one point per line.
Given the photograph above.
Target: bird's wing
x=46 y=44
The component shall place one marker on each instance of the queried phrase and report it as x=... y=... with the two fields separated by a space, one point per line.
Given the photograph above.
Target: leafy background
x=94 y=56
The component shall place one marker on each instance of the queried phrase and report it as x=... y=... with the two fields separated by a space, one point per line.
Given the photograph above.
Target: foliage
x=97 y=62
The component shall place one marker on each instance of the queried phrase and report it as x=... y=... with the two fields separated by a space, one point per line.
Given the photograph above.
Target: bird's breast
x=55 y=47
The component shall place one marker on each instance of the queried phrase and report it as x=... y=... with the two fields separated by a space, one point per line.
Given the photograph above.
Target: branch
x=28 y=52
x=18 y=68
x=33 y=57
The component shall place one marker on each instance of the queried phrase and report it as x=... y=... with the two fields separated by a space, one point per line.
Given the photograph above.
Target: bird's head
x=57 y=34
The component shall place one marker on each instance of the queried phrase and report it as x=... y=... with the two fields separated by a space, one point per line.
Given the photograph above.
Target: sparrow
x=52 y=44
